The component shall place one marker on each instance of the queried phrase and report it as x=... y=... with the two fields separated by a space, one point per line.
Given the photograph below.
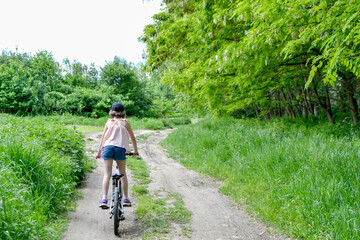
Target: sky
x=88 y=31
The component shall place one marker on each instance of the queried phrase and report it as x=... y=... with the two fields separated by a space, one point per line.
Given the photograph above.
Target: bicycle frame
x=116 y=207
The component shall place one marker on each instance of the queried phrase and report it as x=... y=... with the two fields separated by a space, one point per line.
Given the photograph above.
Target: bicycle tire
x=116 y=213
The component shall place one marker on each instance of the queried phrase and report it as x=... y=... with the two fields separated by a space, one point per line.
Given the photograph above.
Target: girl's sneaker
x=104 y=204
x=127 y=202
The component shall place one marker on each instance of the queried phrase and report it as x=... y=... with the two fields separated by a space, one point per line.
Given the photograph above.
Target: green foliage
x=40 y=164
x=38 y=85
x=79 y=75
x=13 y=82
x=247 y=56
x=88 y=102
x=120 y=75
x=123 y=77
x=303 y=179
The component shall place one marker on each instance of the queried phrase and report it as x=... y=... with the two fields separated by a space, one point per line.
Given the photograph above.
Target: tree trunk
x=308 y=102
x=257 y=111
x=305 y=112
x=342 y=99
x=327 y=99
x=295 y=107
x=278 y=106
x=305 y=108
x=352 y=105
x=350 y=92
x=323 y=106
x=316 y=113
x=287 y=105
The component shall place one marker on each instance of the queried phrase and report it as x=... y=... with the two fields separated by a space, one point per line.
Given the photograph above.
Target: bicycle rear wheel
x=116 y=213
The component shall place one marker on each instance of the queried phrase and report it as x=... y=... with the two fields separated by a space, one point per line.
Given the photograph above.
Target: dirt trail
x=214 y=216
x=89 y=221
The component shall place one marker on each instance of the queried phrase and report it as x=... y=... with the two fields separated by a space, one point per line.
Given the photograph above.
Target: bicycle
x=116 y=206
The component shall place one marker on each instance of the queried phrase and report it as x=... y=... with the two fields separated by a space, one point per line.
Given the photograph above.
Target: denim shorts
x=113 y=152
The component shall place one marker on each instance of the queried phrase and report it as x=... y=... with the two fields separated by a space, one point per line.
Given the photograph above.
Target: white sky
x=88 y=31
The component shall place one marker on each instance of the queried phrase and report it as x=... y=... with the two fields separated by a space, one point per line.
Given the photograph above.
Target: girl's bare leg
x=122 y=169
x=107 y=174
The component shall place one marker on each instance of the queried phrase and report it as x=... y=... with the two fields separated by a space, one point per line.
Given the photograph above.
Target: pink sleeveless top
x=117 y=135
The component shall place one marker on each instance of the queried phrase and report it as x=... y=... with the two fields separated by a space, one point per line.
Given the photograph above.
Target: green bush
x=38 y=85
x=40 y=165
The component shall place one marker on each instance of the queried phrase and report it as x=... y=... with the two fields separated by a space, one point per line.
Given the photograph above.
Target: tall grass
x=303 y=179
x=40 y=165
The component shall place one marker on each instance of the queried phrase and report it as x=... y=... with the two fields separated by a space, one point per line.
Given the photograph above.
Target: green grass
x=86 y=128
x=69 y=119
x=157 y=123
x=142 y=137
x=84 y=124
x=159 y=211
x=41 y=163
x=305 y=180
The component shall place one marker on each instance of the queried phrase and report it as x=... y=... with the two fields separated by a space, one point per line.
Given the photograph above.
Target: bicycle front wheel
x=116 y=213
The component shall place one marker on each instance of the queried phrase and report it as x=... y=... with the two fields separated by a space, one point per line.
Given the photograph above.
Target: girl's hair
x=121 y=114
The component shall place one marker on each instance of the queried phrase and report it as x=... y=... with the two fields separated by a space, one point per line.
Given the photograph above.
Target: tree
x=15 y=91
x=80 y=75
x=258 y=56
x=45 y=76
x=123 y=78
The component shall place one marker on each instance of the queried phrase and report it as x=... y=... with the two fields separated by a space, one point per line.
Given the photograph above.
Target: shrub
x=40 y=165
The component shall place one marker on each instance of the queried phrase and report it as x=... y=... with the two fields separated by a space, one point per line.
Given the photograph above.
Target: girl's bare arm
x=101 y=141
x=132 y=137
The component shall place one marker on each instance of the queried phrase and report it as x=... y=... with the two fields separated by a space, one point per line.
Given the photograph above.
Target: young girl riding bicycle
x=113 y=146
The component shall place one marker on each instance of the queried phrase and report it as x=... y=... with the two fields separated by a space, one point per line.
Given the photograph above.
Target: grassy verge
x=303 y=179
x=87 y=128
x=84 y=124
x=41 y=164
x=160 y=212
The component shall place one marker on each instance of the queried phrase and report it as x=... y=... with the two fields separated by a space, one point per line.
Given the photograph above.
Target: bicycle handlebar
x=131 y=153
